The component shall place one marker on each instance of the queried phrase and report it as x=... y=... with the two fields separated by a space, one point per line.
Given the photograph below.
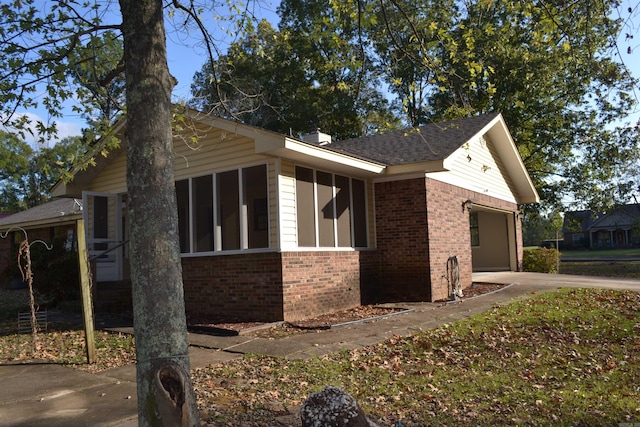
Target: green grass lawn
x=602 y=253
x=624 y=269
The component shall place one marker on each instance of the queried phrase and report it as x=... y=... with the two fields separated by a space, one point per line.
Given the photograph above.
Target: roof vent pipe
x=317 y=137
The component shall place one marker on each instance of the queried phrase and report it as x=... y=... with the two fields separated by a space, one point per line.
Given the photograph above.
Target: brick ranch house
x=278 y=228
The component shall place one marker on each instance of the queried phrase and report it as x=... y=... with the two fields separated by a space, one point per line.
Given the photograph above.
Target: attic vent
x=317 y=137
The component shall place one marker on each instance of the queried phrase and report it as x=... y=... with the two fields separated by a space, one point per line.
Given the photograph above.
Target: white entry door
x=102 y=213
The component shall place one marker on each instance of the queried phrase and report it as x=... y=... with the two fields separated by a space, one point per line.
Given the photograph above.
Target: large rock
x=333 y=407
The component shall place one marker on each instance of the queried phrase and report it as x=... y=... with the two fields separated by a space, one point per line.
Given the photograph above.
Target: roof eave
x=316 y=156
x=46 y=222
x=422 y=167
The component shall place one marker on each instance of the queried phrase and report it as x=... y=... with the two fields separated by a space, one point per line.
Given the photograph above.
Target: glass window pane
x=254 y=181
x=229 y=209
x=182 y=196
x=326 y=209
x=343 y=210
x=474 y=228
x=203 y=213
x=305 y=208
x=359 y=213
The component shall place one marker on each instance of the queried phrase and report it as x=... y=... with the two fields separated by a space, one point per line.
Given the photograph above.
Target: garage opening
x=493 y=240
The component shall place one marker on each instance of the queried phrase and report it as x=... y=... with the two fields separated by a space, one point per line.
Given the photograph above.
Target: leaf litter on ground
x=568 y=357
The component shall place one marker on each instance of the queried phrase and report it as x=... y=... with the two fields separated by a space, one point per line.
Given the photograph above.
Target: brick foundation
x=318 y=282
x=273 y=286
x=245 y=287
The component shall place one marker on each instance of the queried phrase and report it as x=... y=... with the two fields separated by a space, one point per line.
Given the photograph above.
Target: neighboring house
x=277 y=228
x=46 y=222
x=619 y=228
x=575 y=229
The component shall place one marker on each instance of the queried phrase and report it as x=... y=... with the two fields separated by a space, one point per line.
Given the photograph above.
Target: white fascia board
x=317 y=156
x=422 y=167
x=42 y=223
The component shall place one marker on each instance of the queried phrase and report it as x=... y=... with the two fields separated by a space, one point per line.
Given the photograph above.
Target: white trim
x=278 y=172
x=117 y=265
x=320 y=157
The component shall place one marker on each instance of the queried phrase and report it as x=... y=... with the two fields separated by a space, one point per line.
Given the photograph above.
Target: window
x=331 y=209
x=182 y=197
x=255 y=204
x=228 y=210
x=100 y=222
x=202 y=205
x=475 y=231
x=305 y=207
x=239 y=218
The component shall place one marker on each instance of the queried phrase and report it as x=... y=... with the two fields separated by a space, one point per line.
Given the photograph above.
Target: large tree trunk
x=165 y=391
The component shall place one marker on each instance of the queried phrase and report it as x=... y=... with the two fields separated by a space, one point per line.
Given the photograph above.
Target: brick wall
x=448 y=235
x=275 y=286
x=244 y=287
x=8 y=247
x=402 y=240
x=317 y=282
x=6 y=253
x=420 y=225
x=449 y=232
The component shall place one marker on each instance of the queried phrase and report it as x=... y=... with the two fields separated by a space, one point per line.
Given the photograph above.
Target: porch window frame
x=243 y=219
x=354 y=236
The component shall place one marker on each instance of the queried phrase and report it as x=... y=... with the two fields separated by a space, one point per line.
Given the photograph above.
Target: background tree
x=97 y=69
x=27 y=175
x=546 y=66
x=14 y=159
x=293 y=80
x=408 y=38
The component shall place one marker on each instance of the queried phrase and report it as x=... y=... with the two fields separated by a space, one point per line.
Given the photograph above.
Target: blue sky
x=186 y=56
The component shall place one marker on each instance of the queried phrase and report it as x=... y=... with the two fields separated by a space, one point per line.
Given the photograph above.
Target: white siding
x=272 y=175
x=213 y=152
x=113 y=178
x=476 y=166
x=287 y=190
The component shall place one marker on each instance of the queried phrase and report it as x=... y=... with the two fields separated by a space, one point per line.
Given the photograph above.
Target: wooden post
x=85 y=286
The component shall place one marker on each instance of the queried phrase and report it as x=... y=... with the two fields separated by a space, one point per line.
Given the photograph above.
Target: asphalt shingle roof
x=56 y=209
x=435 y=141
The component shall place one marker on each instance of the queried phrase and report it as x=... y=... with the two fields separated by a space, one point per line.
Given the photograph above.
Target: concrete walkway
x=52 y=395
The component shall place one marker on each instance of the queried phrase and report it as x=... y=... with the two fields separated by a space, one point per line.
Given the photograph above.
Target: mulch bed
x=225 y=326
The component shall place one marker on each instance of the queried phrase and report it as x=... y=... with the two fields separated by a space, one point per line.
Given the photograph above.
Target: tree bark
x=165 y=390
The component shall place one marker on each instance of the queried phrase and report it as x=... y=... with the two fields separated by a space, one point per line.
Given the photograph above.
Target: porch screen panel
x=182 y=198
x=228 y=191
x=343 y=211
x=326 y=210
x=256 y=205
x=305 y=207
x=359 y=213
x=203 y=213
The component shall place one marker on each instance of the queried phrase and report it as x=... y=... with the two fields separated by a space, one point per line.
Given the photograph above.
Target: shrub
x=540 y=260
